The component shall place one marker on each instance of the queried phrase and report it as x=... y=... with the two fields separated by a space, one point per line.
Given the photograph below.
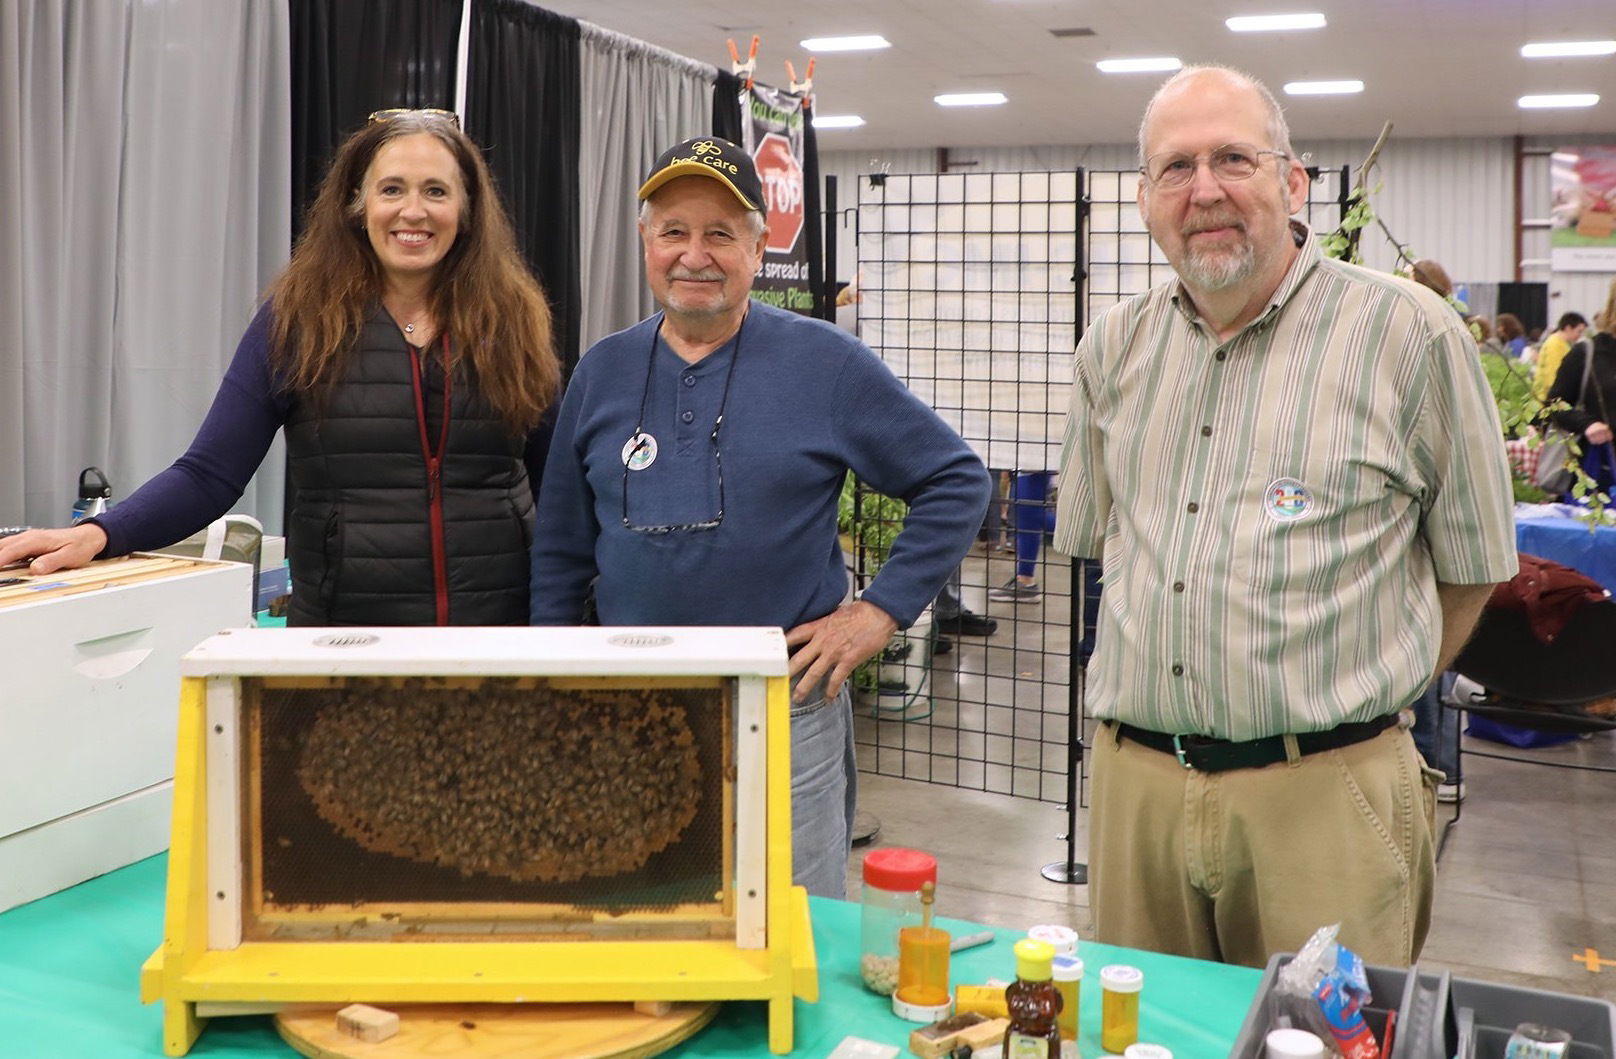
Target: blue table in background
x=1571 y=543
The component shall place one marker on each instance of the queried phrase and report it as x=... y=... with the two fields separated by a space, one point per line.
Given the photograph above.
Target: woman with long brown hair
x=406 y=350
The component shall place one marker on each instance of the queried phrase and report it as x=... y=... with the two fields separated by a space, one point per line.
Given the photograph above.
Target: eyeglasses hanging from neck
x=639 y=441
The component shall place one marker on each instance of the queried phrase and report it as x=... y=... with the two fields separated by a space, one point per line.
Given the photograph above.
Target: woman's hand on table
x=53 y=549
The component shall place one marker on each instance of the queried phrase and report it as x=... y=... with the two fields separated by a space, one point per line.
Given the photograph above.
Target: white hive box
x=89 y=675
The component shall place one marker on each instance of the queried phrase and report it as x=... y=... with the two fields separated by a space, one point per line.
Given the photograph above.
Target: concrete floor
x=1526 y=881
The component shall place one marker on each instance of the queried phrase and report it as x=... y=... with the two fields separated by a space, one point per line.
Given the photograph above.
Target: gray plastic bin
x=1428 y=1003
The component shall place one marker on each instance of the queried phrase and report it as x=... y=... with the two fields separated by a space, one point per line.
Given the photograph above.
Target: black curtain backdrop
x=522 y=102
x=353 y=57
x=1528 y=301
x=824 y=301
x=727 y=107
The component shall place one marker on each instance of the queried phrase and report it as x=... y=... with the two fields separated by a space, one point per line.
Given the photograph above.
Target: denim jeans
x=824 y=784
x=1435 y=729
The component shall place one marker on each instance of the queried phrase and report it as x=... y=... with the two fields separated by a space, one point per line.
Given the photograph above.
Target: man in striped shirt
x=1293 y=473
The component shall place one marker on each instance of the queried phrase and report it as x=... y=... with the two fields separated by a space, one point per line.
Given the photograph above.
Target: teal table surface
x=69 y=969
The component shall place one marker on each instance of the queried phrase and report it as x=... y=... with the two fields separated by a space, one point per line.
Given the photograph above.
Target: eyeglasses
x=1232 y=161
x=398 y=112
x=640 y=441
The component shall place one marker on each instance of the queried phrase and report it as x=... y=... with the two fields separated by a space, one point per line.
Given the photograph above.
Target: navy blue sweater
x=807 y=402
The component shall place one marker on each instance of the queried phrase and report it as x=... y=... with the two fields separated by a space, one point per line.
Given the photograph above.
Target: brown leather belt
x=1206 y=754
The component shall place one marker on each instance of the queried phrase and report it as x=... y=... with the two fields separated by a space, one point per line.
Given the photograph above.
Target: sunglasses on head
x=398 y=112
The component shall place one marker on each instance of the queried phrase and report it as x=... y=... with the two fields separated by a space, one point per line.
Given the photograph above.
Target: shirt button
x=690 y=380
x=1206 y=432
x=1178 y=586
x=1178 y=670
x=688 y=417
x=1192 y=508
x=1223 y=354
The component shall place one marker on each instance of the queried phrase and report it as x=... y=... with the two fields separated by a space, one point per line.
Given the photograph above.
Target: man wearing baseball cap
x=697 y=463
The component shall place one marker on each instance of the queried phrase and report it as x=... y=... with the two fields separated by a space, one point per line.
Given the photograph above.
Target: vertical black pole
x=827 y=295
x=1070 y=871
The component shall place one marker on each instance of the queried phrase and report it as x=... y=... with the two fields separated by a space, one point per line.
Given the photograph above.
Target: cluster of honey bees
x=529 y=784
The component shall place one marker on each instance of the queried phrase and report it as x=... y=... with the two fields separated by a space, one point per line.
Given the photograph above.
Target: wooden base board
x=498 y=1031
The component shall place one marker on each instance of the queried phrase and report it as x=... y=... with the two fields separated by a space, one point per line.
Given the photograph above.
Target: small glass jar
x=891 y=901
x=1120 y=986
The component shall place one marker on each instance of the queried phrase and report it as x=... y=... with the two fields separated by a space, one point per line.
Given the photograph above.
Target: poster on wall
x=1582 y=218
x=772 y=124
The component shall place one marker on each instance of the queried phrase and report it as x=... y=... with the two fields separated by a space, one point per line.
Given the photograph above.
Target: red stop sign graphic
x=782 y=191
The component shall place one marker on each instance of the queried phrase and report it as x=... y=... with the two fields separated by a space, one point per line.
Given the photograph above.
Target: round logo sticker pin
x=639 y=452
x=1287 y=500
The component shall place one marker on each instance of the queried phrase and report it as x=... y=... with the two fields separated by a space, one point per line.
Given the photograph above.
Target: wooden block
x=941 y=1036
x=367 y=1023
x=983 y=1034
x=655 y=1008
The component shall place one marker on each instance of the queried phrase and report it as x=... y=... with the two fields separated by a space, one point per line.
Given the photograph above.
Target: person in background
x=1430 y=274
x=1605 y=319
x=1031 y=518
x=406 y=350
x=1511 y=334
x=697 y=463
x=1293 y=474
x=1482 y=331
x=1567 y=332
x=1588 y=408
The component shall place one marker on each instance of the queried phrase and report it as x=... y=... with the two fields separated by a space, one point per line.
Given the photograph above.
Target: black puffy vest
x=361 y=533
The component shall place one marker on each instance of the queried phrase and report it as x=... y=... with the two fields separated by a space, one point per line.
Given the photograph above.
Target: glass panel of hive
x=488 y=808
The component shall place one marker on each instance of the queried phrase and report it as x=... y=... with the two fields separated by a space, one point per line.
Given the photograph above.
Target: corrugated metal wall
x=1447 y=199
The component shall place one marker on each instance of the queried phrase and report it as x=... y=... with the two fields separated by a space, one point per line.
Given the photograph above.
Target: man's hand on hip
x=833 y=646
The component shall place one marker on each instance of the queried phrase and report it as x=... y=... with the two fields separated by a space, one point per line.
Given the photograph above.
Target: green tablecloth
x=69 y=966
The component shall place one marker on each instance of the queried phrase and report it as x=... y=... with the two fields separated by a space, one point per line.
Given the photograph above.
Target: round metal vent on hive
x=639 y=639
x=346 y=639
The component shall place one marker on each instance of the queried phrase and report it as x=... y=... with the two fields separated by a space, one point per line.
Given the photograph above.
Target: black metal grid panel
x=1122 y=261
x=969 y=292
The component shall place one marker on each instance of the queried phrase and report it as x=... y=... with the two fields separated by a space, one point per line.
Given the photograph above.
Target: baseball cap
x=708 y=156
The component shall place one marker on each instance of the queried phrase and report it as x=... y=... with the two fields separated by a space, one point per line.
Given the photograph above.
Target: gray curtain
x=636 y=100
x=145 y=184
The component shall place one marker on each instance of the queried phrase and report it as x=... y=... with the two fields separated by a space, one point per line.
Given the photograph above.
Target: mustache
x=1206 y=222
x=697 y=274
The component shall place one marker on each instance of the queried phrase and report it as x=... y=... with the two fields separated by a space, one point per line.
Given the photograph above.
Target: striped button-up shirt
x=1274 y=512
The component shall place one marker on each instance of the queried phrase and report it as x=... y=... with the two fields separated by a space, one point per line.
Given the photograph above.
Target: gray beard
x=1218 y=271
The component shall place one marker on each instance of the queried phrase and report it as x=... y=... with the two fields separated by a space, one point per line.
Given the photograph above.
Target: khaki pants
x=1237 y=865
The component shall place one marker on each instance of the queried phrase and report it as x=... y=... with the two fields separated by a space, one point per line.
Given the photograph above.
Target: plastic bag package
x=1324 y=990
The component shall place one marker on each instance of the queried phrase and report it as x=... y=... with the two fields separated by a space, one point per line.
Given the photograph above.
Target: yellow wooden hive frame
x=195 y=981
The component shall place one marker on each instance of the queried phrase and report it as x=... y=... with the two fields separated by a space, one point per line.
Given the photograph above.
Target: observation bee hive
x=439 y=815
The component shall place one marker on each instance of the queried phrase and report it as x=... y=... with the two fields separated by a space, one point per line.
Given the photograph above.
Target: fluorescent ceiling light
x=1570 y=99
x=970 y=99
x=1323 y=88
x=837 y=121
x=1138 y=66
x=1561 y=49
x=1266 y=23
x=866 y=43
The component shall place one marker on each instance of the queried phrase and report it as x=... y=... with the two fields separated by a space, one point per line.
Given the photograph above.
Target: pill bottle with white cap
x=1291 y=1043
